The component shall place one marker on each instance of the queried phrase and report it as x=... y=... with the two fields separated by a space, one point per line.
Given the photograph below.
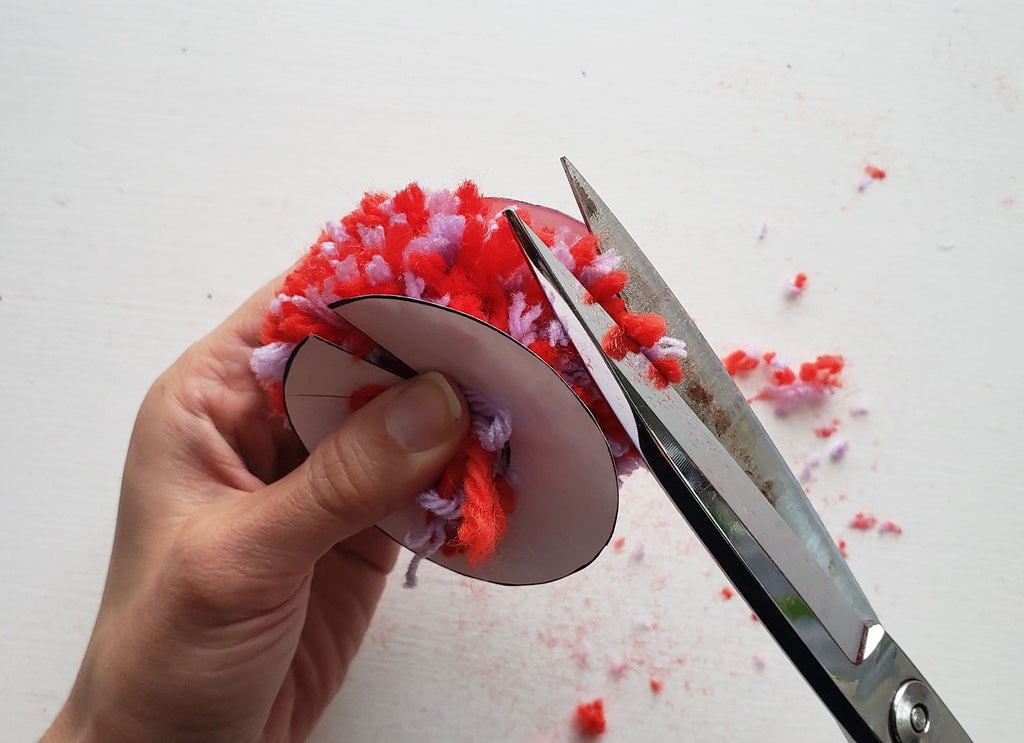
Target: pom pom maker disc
x=560 y=466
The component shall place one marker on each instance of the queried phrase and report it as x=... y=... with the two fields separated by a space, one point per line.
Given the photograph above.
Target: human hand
x=242 y=578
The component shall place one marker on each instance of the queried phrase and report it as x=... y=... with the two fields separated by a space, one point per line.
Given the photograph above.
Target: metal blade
x=711 y=394
x=872 y=690
x=689 y=443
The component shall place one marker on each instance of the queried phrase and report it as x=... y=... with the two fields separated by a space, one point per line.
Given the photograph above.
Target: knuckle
x=203 y=581
x=343 y=479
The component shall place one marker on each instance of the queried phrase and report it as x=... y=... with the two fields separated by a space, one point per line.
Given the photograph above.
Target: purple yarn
x=667 y=346
x=491 y=423
x=378 y=271
x=269 y=362
x=414 y=285
x=372 y=237
x=839 y=449
x=443 y=238
x=344 y=270
x=337 y=231
x=447 y=508
x=600 y=267
x=788 y=397
x=521 y=318
x=556 y=334
x=442 y=201
x=440 y=512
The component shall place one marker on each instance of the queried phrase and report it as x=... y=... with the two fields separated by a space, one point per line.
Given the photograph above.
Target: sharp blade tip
x=519 y=228
x=526 y=237
x=582 y=191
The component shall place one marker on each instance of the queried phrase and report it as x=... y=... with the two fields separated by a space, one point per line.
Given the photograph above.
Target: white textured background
x=160 y=160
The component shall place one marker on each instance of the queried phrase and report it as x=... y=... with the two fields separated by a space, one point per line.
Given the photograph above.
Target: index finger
x=243 y=325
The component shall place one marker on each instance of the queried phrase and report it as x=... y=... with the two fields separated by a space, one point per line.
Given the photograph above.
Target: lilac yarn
x=789 y=397
x=601 y=266
x=443 y=238
x=337 y=231
x=492 y=424
x=371 y=237
x=667 y=346
x=442 y=201
x=521 y=318
x=414 y=285
x=378 y=271
x=269 y=362
x=440 y=512
x=839 y=449
x=562 y=252
x=556 y=334
x=344 y=270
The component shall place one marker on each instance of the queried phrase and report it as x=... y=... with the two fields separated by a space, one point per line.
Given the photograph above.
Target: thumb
x=386 y=453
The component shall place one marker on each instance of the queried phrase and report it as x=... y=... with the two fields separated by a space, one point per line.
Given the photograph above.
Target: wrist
x=63 y=729
x=77 y=723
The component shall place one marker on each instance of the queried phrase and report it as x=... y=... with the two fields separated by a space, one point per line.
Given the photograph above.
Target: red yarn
x=659 y=380
x=877 y=173
x=863 y=521
x=784 y=376
x=671 y=369
x=826 y=431
x=823 y=371
x=616 y=343
x=646 y=330
x=585 y=250
x=739 y=361
x=606 y=287
x=483 y=519
x=546 y=351
x=590 y=718
x=363 y=395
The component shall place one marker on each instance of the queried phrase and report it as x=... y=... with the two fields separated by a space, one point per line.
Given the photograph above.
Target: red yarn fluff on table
x=590 y=718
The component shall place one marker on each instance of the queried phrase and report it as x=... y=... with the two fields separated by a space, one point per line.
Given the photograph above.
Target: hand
x=242 y=579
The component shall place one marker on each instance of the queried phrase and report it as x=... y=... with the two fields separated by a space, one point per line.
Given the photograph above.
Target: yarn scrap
x=589 y=720
x=789 y=390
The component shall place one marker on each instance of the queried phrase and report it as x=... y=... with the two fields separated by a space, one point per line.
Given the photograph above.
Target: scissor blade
x=684 y=444
x=855 y=667
x=709 y=391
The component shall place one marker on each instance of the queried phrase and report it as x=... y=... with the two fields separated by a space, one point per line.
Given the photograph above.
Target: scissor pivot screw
x=909 y=714
x=919 y=718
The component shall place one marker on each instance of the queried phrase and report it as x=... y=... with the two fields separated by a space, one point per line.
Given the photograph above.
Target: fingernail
x=423 y=413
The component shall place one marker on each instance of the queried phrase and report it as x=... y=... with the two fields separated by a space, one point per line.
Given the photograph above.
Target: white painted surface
x=158 y=161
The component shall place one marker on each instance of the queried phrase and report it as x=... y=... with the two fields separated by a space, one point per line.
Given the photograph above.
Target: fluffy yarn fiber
x=451 y=248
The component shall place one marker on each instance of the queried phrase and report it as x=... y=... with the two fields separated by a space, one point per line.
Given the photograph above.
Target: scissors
x=714 y=460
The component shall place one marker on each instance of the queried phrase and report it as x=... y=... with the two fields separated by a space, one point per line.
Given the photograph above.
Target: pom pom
x=451 y=248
